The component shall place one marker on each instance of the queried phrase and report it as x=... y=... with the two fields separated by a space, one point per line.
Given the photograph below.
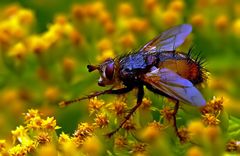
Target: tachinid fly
x=159 y=67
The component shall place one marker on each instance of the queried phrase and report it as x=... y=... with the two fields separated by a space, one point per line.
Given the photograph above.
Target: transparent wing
x=169 y=40
x=175 y=86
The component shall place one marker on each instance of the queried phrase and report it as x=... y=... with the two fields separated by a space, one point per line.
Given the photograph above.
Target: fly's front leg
x=127 y=117
x=109 y=91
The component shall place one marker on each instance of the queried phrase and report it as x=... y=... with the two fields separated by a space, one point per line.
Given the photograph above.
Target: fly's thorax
x=133 y=65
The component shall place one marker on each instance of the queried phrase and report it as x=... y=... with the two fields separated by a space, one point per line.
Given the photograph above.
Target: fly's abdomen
x=185 y=67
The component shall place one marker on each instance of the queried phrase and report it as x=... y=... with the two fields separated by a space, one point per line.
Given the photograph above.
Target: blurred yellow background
x=45 y=46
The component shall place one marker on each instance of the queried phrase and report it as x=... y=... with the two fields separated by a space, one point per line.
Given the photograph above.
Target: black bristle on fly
x=194 y=56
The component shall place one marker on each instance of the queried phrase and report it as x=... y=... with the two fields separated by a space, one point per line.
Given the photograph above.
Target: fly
x=159 y=67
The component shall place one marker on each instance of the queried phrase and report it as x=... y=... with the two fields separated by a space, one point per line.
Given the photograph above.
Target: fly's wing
x=175 y=86
x=169 y=40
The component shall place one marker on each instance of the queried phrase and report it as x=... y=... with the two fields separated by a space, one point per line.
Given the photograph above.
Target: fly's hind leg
x=176 y=107
x=127 y=117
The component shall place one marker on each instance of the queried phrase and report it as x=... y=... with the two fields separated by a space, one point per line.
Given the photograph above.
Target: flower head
x=101 y=120
x=94 y=105
x=211 y=120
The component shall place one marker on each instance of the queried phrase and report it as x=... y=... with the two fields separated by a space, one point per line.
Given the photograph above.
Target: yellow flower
x=167 y=113
x=48 y=149
x=118 y=107
x=50 y=123
x=138 y=25
x=139 y=148
x=19 y=50
x=92 y=146
x=25 y=16
x=195 y=151
x=83 y=131
x=5 y=38
x=43 y=138
x=109 y=27
x=212 y=134
x=233 y=146
x=236 y=27
x=2 y=145
x=146 y=103
x=60 y=19
x=195 y=129
x=183 y=135
x=198 y=20
x=177 y=5
x=13 y=28
x=52 y=93
x=63 y=138
x=222 y=23
x=105 y=55
x=18 y=150
x=170 y=18
x=125 y=9
x=104 y=17
x=94 y=105
x=151 y=5
x=38 y=44
x=152 y=131
x=104 y=44
x=129 y=125
x=51 y=37
x=214 y=106
x=9 y=96
x=211 y=120
x=69 y=64
x=101 y=120
x=30 y=145
x=75 y=37
x=217 y=103
x=11 y=10
x=93 y=9
x=35 y=123
x=128 y=40
x=19 y=133
x=79 y=12
x=31 y=114
x=120 y=142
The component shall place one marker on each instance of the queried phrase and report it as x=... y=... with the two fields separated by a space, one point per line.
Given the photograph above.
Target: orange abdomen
x=185 y=67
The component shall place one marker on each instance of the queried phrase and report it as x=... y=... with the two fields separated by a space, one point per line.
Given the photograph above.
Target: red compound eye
x=109 y=71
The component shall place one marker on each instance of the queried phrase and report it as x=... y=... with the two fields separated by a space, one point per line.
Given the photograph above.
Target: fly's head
x=106 y=71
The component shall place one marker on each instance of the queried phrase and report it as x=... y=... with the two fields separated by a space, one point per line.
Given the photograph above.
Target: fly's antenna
x=92 y=68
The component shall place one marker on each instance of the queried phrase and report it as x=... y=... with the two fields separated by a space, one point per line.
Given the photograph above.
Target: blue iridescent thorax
x=132 y=65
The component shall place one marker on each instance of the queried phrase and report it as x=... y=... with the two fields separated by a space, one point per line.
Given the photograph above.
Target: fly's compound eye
x=109 y=71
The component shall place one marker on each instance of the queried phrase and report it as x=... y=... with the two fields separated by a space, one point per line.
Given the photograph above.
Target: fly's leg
x=109 y=91
x=127 y=117
x=176 y=107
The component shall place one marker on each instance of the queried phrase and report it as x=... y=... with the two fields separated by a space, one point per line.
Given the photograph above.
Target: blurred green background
x=39 y=68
